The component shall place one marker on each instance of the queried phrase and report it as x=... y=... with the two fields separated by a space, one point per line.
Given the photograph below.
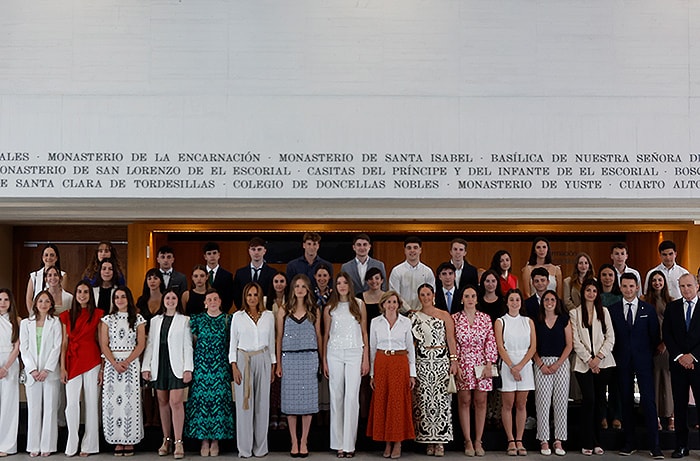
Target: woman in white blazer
x=9 y=373
x=594 y=339
x=168 y=363
x=40 y=338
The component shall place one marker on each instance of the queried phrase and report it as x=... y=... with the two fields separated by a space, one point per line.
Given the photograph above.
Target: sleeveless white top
x=345 y=332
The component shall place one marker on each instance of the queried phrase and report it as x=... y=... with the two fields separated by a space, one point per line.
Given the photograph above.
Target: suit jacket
x=179 y=346
x=50 y=354
x=360 y=285
x=470 y=276
x=635 y=347
x=178 y=282
x=223 y=284
x=602 y=342
x=243 y=277
x=532 y=307
x=679 y=341
x=441 y=300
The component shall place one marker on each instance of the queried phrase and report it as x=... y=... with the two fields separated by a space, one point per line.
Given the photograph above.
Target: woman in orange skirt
x=393 y=376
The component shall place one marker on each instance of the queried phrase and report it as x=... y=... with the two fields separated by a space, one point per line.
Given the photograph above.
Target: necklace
x=254 y=317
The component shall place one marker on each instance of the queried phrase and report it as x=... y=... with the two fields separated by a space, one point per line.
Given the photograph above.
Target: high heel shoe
x=214 y=448
x=179 y=452
x=165 y=448
x=469 y=448
x=479 y=448
x=204 y=449
x=396 y=451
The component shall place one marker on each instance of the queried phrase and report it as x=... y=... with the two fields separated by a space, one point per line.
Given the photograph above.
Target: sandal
x=439 y=450
x=512 y=451
x=469 y=448
x=558 y=449
x=586 y=451
x=479 y=448
x=340 y=454
x=544 y=448
x=430 y=451
x=165 y=448
x=349 y=454
x=179 y=452
x=214 y=448
x=671 y=424
x=598 y=451
x=396 y=452
x=521 y=449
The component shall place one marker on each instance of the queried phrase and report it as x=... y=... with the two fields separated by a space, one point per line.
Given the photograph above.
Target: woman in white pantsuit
x=346 y=360
x=40 y=339
x=252 y=355
x=9 y=373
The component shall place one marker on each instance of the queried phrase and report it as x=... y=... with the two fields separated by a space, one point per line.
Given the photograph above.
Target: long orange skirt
x=390 y=413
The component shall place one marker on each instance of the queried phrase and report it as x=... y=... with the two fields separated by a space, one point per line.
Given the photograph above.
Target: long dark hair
x=94 y=267
x=557 y=309
x=76 y=308
x=651 y=297
x=496 y=262
x=616 y=283
x=482 y=290
x=273 y=294
x=179 y=308
x=516 y=291
x=532 y=261
x=57 y=264
x=12 y=314
x=35 y=310
x=98 y=275
x=597 y=304
x=130 y=308
x=146 y=292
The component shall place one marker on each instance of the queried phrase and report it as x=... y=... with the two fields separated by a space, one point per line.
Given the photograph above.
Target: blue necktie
x=449 y=301
x=688 y=314
x=630 y=319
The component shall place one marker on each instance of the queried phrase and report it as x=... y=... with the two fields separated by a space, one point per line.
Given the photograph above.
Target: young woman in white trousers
x=40 y=345
x=9 y=373
x=346 y=360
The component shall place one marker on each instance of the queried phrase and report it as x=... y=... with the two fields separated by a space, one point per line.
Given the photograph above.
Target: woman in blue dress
x=210 y=407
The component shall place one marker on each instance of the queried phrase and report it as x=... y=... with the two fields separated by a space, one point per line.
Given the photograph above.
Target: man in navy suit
x=540 y=281
x=637 y=336
x=357 y=267
x=681 y=333
x=219 y=278
x=447 y=297
x=257 y=271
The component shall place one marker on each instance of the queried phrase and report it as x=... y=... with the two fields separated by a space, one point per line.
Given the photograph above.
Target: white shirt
x=249 y=336
x=361 y=268
x=627 y=305
x=405 y=279
x=397 y=338
x=166 y=276
x=458 y=272
x=672 y=275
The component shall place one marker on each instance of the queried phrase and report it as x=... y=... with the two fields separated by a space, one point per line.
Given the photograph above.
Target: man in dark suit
x=308 y=262
x=257 y=271
x=219 y=278
x=171 y=278
x=540 y=281
x=465 y=273
x=357 y=268
x=637 y=336
x=447 y=297
x=681 y=334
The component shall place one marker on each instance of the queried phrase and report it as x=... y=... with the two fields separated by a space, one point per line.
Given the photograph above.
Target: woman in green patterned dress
x=210 y=405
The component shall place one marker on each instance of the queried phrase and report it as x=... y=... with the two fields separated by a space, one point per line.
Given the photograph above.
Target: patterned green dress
x=210 y=407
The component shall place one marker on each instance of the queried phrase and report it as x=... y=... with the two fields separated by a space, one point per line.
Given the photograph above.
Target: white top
x=405 y=279
x=66 y=301
x=397 y=338
x=516 y=336
x=249 y=336
x=38 y=280
x=47 y=356
x=346 y=332
x=672 y=275
x=6 y=334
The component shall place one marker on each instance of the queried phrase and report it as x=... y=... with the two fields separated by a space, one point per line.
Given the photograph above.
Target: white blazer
x=50 y=354
x=602 y=342
x=179 y=346
x=96 y=292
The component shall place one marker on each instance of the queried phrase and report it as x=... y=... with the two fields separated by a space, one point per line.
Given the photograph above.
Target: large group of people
x=231 y=355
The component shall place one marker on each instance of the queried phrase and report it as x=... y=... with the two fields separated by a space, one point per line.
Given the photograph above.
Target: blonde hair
x=386 y=296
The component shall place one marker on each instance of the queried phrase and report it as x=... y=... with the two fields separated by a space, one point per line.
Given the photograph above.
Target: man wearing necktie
x=681 y=335
x=257 y=271
x=219 y=278
x=637 y=335
x=447 y=296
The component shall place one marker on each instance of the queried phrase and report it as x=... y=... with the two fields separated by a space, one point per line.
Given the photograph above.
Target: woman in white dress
x=515 y=338
x=122 y=339
x=9 y=373
x=40 y=344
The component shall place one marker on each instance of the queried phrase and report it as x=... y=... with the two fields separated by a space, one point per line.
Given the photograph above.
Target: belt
x=246 y=374
x=392 y=352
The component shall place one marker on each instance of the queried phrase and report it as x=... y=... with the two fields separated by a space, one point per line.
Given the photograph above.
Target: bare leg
x=305 y=426
x=164 y=409
x=520 y=413
x=507 y=413
x=480 y=399
x=464 y=399
x=292 y=425
x=177 y=410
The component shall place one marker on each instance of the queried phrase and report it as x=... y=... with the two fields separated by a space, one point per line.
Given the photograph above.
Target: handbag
x=451 y=385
